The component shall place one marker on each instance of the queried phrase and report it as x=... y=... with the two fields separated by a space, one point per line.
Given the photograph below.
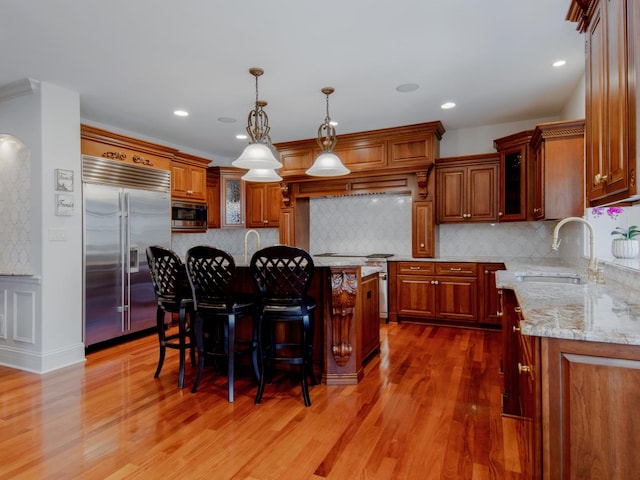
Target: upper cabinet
x=390 y=149
x=113 y=146
x=514 y=157
x=226 y=184
x=467 y=189
x=556 y=170
x=263 y=205
x=611 y=29
x=189 y=177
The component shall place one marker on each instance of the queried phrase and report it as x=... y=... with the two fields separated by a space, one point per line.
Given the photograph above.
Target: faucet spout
x=593 y=262
x=246 y=240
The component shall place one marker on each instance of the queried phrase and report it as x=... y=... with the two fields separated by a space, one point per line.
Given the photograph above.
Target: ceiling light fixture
x=327 y=164
x=447 y=105
x=181 y=113
x=261 y=175
x=258 y=154
x=559 y=63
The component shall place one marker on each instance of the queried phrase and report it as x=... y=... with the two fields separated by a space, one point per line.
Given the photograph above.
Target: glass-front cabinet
x=514 y=155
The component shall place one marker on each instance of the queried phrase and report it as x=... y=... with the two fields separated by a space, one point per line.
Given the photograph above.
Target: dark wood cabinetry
x=389 y=149
x=368 y=326
x=515 y=153
x=489 y=300
x=423 y=227
x=434 y=291
x=467 y=189
x=510 y=314
x=611 y=29
x=556 y=170
x=263 y=205
x=226 y=184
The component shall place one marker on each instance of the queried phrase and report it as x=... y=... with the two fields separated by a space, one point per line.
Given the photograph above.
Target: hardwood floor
x=427 y=408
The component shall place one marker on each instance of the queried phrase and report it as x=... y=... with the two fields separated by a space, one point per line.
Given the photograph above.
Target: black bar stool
x=211 y=272
x=173 y=295
x=282 y=275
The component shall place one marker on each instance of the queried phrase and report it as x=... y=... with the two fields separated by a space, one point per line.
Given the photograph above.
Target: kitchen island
x=575 y=356
x=346 y=319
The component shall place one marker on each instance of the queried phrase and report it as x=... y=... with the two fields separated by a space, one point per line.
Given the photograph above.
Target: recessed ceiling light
x=333 y=123
x=447 y=105
x=181 y=113
x=226 y=120
x=407 y=87
x=241 y=136
x=559 y=63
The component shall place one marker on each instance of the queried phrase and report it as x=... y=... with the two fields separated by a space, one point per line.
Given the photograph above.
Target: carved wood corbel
x=423 y=181
x=285 y=190
x=344 y=286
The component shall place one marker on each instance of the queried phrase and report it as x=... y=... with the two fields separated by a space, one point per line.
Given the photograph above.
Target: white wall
x=42 y=314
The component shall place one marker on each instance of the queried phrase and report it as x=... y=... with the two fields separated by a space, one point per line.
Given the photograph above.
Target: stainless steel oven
x=189 y=216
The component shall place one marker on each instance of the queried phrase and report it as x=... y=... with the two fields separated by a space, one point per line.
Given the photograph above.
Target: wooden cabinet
x=529 y=389
x=510 y=314
x=590 y=391
x=390 y=149
x=611 y=30
x=189 y=177
x=488 y=297
x=105 y=144
x=557 y=170
x=368 y=326
x=423 y=228
x=467 y=189
x=514 y=157
x=263 y=205
x=213 y=199
x=227 y=182
x=435 y=290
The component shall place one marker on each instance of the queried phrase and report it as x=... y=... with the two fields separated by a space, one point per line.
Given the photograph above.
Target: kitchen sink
x=549 y=278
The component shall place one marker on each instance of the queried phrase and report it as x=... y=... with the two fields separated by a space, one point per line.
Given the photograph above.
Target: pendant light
x=261 y=175
x=327 y=164
x=258 y=154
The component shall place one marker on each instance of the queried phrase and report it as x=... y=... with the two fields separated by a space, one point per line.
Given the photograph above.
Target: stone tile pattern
x=15 y=215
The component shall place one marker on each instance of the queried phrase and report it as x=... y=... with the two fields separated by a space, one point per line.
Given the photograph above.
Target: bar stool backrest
x=168 y=275
x=211 y=273
x=282 y=274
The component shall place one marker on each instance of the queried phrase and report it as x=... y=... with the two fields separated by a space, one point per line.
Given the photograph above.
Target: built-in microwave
x=189 y=216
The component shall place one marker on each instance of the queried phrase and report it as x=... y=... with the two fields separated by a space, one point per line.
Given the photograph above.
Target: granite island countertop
x=608 y=312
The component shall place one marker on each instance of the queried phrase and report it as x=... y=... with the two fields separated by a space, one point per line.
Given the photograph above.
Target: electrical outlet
x=57 y=234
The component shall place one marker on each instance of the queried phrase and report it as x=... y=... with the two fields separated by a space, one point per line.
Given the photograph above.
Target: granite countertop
x=589 y=311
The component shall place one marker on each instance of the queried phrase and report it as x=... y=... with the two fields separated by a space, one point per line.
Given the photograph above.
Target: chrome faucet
x=592 y=269
x=246 y=238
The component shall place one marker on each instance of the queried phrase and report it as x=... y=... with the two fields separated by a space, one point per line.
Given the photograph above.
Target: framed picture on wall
x=63 y=180
x=64 y=205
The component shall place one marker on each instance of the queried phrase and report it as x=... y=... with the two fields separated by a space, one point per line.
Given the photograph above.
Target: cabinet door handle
x=517 y=309
x=515 y=329
x=599 y=178
x=422 y=245
x=499 y=314
x=523 y=368
x=455 y=269
x=414 y=268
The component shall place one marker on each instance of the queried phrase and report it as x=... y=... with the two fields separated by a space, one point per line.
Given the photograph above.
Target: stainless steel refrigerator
x=125 y=209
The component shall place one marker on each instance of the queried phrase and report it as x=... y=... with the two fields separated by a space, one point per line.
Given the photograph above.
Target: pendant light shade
x=261 y=175
x=258 y=154
x=327 y=164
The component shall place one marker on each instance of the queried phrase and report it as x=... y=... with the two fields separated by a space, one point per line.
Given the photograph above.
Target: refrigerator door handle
x=126 y=261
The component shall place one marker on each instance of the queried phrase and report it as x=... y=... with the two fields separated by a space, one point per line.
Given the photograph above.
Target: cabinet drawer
x=415 y=268
x=448 y=268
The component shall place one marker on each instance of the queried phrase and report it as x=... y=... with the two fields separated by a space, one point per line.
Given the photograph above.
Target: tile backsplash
x=381 y=223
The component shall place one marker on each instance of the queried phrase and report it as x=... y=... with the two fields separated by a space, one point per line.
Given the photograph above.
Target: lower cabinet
x=434 y=291
x=369 y=323
x=489 y=303
x=575 y=401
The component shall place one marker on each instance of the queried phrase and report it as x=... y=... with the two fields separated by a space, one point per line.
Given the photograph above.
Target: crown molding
x=19 y=87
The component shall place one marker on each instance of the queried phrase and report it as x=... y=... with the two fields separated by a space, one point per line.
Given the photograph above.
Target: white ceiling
x=134 y=62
